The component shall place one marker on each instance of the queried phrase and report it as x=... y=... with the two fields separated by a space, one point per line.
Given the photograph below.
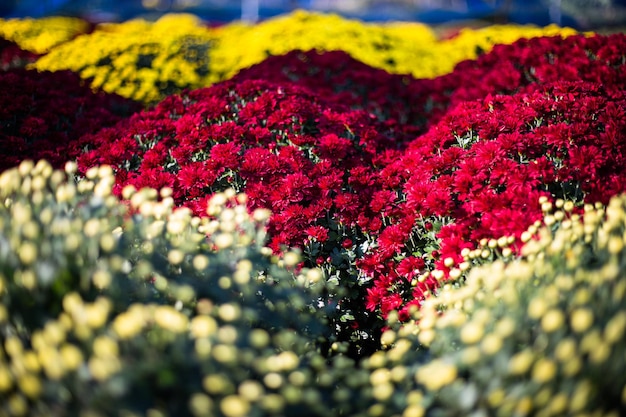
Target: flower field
x=311 y=216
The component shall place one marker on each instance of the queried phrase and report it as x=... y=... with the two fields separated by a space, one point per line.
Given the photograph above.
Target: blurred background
x=580 y=14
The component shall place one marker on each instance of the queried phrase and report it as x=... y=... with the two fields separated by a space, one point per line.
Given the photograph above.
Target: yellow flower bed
x=147 y=61
x=138 y=59
x=378 y=45
x=41 y=35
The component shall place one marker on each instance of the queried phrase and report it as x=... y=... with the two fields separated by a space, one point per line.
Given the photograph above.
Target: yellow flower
x=436 y=374
x=388 y=46
x=41 y=35
x=169 y=318
x=137 y=59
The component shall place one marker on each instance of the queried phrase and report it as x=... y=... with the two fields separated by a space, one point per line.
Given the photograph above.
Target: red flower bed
x=377 y=177
x=336 y=76
x=43 y=115
x=484 y=166
x=311 y=161
x=509 y=69
x=288 y=149
x=480 y=171
x=409 y=105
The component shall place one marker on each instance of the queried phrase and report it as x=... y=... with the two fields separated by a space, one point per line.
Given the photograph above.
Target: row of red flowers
x=379 y=178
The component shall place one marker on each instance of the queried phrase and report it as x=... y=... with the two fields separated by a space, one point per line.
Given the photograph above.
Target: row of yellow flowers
x=146 y=60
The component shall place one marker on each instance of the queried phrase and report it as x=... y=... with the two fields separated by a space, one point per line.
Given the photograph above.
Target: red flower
x=319 y=233
x=410 y=267
x=333 y=147
x=226 y=155
x=194 y=179
x=391 y=240
x=153 y=178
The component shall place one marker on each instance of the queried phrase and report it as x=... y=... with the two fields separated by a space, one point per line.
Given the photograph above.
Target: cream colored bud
x=30 y=385
x=544 y=370
x=273 y=380
x=521 y=362
x=438 y=274
x=546 y=207
x=200 y=262
x=105 y=347
x=128 y=192
x=537 y=307
x=291 y=259
x=552 y=320
x=229 y=312
x=251 y=390
x=101 y=279
x=25 y=167
x=71 y=167
x=568 y=206
x=491 y=344
x=472 y=332
x=27 y=253
x=168 y=318
x=455 y=273
x=107 y=242
x=71 y=357
x=91 y=227
x=436 y=374
x=581 y=319
x=175 y=256
x=203 y=326
x=261 y=215
x=224 y=240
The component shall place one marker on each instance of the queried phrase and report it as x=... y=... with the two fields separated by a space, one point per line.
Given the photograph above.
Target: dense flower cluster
x=410 y=105
x=142 y=60
x=481 y=170
x=395 y=99
x=42 y=35
x=516 y=127
x=161 y=312
x=43 y=115
x=147 y=61
x=539 y=335
x=136 y=308
x=310 y=161
x=329 y=171
x=390 y=46
x=286 y=147
x=470 y=44
x=570 y=139
x=446 y=255
x=402 y=48
x=508 y=69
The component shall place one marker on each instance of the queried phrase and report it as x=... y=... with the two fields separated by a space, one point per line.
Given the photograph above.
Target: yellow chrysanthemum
x=137 y=59
x=41 y=35
x=379 y=45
